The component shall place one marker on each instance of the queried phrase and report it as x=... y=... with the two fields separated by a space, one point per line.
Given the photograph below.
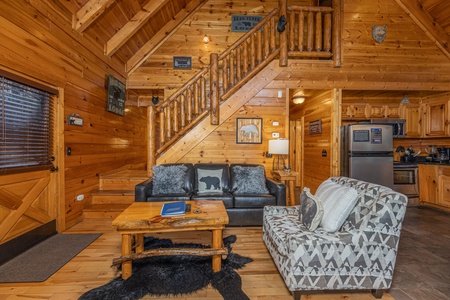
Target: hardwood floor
x=260 y=278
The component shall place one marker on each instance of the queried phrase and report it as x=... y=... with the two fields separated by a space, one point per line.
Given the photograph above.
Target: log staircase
x=250 y=63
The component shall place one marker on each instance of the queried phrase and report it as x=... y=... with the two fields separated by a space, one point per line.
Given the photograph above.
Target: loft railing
x=310 y=30
x=309 y=35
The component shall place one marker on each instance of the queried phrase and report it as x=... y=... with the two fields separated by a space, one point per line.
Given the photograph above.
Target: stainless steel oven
x=406 y=180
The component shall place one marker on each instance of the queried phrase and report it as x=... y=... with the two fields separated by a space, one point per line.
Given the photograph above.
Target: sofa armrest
x=270 y=210
x=278 y=189
x=143 y=190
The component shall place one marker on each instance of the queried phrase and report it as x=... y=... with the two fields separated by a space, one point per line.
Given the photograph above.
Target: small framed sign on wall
x=116 y=96
x=243 y=23
x=182 y=62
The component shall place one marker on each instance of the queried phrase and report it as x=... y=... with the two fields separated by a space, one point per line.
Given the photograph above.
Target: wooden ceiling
x=132 y=30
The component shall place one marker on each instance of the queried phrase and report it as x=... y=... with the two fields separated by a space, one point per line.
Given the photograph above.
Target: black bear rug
x=175 y=275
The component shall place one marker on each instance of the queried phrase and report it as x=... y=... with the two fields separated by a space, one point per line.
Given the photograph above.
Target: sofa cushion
x=169 y=179
x=254 y=200
x=337 y=201
x=248 y=180
x=311 y=210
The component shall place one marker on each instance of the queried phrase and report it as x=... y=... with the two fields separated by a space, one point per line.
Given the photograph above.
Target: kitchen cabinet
x=412 y=113
x=436 y=115
x=434 y=185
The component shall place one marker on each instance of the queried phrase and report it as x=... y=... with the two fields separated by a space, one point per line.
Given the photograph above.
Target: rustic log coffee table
x=144 y=217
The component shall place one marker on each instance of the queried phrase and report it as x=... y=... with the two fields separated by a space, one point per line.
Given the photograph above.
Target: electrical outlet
x=280 y=94
x=80 y=197
x=275 y=134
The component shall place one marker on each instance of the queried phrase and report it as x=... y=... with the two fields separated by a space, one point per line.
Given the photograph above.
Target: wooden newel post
x=151 y=138
x=214 y=85
x=283 y=34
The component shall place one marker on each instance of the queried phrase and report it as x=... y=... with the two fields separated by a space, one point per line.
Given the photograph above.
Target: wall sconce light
x=206 y=39
x=298 y=99
x=280 y=148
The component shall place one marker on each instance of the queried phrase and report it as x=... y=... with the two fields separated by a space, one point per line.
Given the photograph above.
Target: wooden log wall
x=315 y=167
x=213 y=20
x=221 y=147
x=37 y=41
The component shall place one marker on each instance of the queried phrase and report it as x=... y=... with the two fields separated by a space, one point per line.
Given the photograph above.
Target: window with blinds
x=26 y=123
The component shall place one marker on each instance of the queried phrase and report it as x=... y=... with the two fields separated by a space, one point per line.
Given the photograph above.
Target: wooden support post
x=283 y=35
x=151 y=138
x=318 y=42
x=337 y=27
x=214 y=86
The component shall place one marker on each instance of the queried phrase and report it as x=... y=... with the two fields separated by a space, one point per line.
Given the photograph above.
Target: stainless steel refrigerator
x=367 y=153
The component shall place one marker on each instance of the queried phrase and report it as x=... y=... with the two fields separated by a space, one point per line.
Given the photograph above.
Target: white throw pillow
x=337 y=201
x=311 y=210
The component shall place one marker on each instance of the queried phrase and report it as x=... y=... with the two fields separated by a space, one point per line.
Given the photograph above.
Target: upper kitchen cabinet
x=364 y=111
x=436 y=114
x=412 y=113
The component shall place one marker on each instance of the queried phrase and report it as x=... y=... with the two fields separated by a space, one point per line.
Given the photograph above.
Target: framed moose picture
x=248 y=130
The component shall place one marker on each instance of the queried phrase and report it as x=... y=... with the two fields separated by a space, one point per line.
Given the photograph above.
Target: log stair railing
x=308 y=34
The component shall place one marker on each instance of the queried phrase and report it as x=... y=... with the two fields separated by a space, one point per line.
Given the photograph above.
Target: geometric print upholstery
x=361 y=255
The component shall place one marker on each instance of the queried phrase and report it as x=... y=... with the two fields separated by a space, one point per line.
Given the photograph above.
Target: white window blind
x=26 y=123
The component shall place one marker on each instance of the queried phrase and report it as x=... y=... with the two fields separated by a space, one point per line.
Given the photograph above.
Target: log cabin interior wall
x=315 y=167
x=37 y=40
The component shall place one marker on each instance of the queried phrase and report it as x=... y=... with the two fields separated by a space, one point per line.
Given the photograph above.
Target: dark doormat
x=175 y=275
x=44 y=259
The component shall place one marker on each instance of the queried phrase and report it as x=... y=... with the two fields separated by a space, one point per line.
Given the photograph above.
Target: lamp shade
x=280 y=146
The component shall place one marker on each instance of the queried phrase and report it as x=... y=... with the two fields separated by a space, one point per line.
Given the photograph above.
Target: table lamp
x=279 y=148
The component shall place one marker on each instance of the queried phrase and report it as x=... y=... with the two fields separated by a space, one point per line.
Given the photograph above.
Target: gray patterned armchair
x=359 y=256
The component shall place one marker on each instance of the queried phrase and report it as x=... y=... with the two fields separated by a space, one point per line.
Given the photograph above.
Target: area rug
x=175 y=275
x=44 y=259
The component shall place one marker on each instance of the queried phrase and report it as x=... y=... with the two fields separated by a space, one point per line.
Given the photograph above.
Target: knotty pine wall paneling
x=37 y=41
x=221 y=147
x=315 y=167
x=212 y=19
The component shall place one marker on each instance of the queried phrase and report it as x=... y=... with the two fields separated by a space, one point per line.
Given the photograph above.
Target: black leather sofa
x=222 y=182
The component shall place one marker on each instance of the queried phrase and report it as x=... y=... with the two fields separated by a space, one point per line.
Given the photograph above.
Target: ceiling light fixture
x=206 y=39
x=298 y=99
x=405 y=100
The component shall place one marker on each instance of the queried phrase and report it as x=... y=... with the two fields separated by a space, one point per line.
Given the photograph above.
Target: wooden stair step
x=105 y=211
x=112 y=197
x=123 y=180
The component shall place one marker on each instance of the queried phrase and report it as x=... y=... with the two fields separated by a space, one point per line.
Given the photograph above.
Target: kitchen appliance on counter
x=367 y=153
x=432 y=151
x=443 y=155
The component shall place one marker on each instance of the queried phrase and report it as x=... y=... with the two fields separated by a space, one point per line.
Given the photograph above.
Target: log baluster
x=168 y=121
x=175 y=117
x=232 y=68
x=195 y=98
x=183 y=110
x=327 y=32
x=162 y=132
x=283 y=35
x=252 y=52
x=266 y=32
x=151 y=137
x=245 y=60
x=273 y=41
x=238 y=64
x=189 y=105
x=301 y=30
x=202 y=94
x=291 y=31
x=225 y=73
x=318 y=31
x=214 y=86
x=259 y=46
x=310 y=28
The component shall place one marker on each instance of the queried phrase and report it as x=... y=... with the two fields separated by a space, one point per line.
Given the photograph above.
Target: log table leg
x=126 y=250
x=217 y=244
x=139 y=242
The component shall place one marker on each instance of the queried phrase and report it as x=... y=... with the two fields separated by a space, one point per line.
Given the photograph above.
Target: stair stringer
x=204 y=128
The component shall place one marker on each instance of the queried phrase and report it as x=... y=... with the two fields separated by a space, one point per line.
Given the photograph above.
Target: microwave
x=398 y=130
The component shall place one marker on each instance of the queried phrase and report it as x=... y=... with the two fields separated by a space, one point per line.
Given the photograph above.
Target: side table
x=289 y=179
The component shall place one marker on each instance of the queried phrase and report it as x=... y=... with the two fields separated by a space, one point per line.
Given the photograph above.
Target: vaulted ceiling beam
x=162 y=35
x=89 y=13
x=127 y=31
x=431 y=27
